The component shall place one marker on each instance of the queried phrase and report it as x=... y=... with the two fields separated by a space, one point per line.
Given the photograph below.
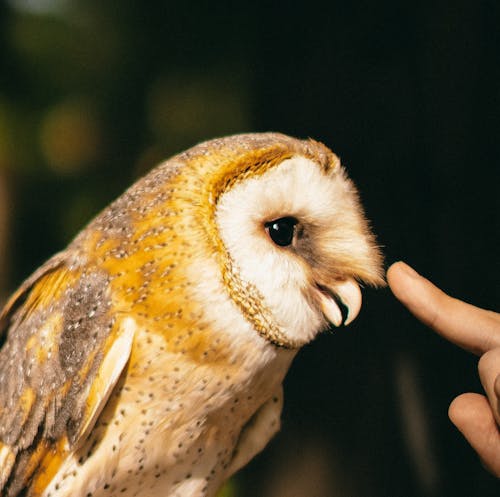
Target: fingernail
x=408 y=270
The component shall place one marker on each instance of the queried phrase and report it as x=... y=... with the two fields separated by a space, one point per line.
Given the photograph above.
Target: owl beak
x=340 y=303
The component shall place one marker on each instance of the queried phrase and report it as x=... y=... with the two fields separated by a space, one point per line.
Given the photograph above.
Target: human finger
x=471 y=414
x=470 y=327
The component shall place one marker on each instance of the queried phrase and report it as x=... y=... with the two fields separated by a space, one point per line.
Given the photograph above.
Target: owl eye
x=282 y=230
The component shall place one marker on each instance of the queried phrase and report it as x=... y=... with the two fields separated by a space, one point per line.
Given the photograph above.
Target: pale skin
x=474 y=329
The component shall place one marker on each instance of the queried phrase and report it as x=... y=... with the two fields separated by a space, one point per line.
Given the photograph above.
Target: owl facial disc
x=340 y=303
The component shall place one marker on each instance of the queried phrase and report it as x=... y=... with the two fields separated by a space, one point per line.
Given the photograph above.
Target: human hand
x=474 y=329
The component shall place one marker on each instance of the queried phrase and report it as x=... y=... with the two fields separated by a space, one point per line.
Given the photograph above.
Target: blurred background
x=93 y=94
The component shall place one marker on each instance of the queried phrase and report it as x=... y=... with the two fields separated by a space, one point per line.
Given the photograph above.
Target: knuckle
x=490 y=361
x=484 y=363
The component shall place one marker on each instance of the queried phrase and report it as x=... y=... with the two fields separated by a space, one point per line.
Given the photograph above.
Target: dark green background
x=93 y=93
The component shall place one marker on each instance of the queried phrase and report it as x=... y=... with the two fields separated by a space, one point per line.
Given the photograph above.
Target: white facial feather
x=297 y=187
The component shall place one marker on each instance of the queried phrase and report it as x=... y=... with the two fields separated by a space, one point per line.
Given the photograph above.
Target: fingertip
x=470 y=411
x=401 y=278
x=400 y=269
x=462 y=408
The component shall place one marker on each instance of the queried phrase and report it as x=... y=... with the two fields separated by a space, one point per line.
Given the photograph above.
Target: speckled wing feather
x=62 y=353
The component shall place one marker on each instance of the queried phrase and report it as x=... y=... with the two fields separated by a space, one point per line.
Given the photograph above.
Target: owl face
x=298 y=235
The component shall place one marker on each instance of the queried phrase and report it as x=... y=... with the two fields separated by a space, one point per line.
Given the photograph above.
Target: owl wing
x=62 y=352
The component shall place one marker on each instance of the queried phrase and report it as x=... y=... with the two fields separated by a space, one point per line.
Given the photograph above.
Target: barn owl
x=147 y=358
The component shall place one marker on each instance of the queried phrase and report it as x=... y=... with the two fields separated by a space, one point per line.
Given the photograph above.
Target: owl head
x=274 y=224
x=260 y=226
